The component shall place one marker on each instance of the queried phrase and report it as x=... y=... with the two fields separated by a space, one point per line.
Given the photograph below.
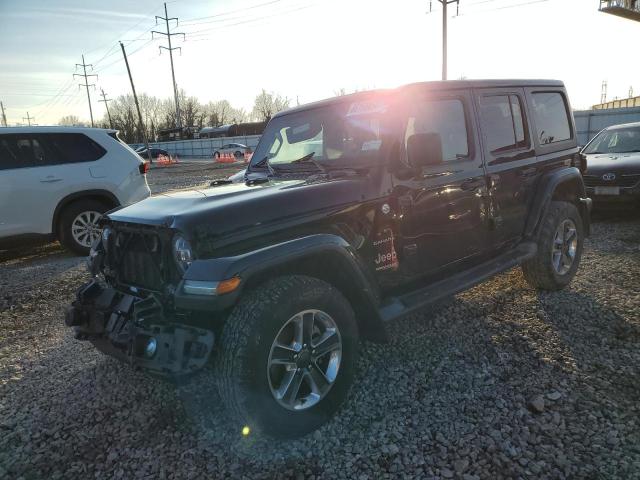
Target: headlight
x=106 y=233
x=182 y=252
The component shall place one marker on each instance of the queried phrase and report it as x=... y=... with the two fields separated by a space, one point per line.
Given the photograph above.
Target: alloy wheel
x=304 y=360
x=565 y=245
x=85 y=229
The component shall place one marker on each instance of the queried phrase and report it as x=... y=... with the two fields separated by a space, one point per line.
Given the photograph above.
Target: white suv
x=56 y=182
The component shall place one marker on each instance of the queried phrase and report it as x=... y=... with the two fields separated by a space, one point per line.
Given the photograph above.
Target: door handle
x=472 y=184
x=50 y=179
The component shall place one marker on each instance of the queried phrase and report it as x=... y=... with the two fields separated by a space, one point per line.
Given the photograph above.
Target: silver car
x=237 y=150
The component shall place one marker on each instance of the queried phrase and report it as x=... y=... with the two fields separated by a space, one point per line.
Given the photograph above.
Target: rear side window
x=502 y=123
x=551 y=117
x=446 y=117
x=74 y=147
x=22 y=151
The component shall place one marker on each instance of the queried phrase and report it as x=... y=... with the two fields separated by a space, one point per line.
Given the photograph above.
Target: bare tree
x=268 y=104
x=71 y=121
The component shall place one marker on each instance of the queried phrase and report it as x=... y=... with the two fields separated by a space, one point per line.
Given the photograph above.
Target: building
x=623 y=103
x=622 y=8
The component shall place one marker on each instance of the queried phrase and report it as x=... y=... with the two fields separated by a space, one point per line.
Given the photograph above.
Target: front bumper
x=126 y=327
x=624 y=193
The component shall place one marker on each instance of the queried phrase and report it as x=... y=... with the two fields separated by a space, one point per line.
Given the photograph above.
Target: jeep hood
x=233 y=207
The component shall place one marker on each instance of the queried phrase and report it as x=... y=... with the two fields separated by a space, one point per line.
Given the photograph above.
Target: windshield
x=619 y=140
x=347 y=130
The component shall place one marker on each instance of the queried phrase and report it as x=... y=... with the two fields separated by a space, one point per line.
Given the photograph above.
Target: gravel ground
x=500 y=382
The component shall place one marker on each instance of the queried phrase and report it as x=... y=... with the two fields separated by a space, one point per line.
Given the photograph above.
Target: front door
x=442 y=207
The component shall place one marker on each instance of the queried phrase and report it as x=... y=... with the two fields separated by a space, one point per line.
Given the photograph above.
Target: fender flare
x=104 y=194
x=547 y=186
x=250 y=265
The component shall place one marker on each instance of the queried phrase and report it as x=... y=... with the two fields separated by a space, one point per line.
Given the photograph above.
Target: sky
x=305 y=50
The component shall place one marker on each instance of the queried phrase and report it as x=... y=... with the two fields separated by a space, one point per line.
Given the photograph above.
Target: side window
x=21 y=151
x=10 y=156
x=446 y=117
x=73 y=147
x=550 y=114
x=502 y=123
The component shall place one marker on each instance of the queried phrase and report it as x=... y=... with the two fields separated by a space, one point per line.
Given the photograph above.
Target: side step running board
x=410 y=302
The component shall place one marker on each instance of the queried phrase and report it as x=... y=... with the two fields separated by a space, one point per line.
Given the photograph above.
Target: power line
x=168 y=34
x=144 y=17
x=194 y=21
x=201 y=33
x=117 y=60
x=86 y=83
x=487 y=10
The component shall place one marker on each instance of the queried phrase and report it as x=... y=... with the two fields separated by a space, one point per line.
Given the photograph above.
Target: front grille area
x=629 y=180
x=137 y=259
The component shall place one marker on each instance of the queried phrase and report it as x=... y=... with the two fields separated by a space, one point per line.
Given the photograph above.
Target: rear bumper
x=137 y=331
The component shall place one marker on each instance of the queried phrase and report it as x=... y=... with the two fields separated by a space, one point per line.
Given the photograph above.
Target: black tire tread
x=234 y=354
x=538 y=271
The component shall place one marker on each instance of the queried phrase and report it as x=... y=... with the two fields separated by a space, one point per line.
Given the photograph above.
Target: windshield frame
x=361 y=158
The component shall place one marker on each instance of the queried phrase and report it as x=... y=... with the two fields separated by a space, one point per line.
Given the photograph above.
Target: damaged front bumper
x=137 y=331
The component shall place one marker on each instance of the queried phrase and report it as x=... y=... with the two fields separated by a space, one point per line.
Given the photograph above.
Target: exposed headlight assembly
x=106 y=233
x=182 y=252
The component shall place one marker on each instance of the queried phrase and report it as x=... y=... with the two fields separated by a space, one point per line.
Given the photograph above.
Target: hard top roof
x=436 y=85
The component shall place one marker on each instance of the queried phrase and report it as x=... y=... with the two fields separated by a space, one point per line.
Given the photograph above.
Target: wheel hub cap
x=85 y=229
x=304 y=360
x=565 y=245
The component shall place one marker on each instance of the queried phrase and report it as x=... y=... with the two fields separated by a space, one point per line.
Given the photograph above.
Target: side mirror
x=424 y=149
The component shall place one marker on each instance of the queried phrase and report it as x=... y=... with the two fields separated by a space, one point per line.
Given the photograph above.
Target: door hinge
x=405 y=203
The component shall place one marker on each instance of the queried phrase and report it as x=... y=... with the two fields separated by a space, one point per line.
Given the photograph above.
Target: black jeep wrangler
x=354 y=211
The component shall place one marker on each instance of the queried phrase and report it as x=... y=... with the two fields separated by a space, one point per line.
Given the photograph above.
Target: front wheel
x=559 y=248
x=78 y=228
x=288 y=353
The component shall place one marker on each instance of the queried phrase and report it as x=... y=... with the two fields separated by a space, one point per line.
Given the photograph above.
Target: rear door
x=442 y=206
x=510 y=159
x=29 y=187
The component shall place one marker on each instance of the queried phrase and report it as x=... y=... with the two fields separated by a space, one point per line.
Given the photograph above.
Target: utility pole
x=86 y=83
x=135 y=98
x=27 y=118
x=171 y=49
x=106 y=104
x=445 y=3
x=4 y=117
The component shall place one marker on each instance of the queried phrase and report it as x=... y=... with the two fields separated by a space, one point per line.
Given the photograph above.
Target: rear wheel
x=288 y=353
x=78 y=227
x=559 y=248
x=237 y=154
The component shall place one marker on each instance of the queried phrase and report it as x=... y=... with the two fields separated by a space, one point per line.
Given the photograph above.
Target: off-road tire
x=66 y=219
x=539 y=270
x=246 y=342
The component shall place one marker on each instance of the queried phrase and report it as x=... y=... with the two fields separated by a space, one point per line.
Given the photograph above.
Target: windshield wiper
x=309 y=158
x=265 y=163
x=306 y=158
